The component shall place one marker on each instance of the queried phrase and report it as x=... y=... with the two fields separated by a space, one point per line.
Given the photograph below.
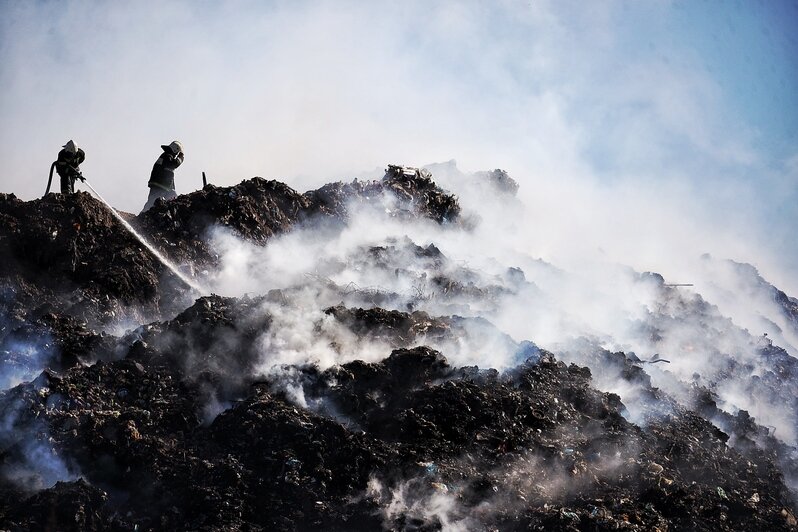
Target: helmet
x=175 y=147
x=71 y=147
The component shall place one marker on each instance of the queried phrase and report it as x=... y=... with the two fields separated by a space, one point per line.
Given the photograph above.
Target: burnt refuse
x=536 y=447
x=130 y=403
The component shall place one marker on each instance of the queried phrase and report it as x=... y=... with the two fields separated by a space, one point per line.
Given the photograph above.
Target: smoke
x=22 y=359
x=623 y=138
x=528 y=480
x=630 y=153
x=483 y=274
x=756 y=305
x=31 y=460
x=41 y=466
x=628 y=148
x=318 y=270
x=416 y=500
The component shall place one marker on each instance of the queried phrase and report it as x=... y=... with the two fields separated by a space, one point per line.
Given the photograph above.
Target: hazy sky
x=689 y=107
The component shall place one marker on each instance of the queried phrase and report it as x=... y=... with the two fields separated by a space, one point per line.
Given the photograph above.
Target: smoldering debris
x=258 y=209
x=68 y=253
x=534 y=447
x=374 y=376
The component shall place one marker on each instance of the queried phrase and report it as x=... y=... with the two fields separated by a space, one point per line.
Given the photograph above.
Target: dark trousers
x=67 y=184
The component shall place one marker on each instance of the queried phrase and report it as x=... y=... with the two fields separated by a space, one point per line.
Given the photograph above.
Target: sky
x=646 y=130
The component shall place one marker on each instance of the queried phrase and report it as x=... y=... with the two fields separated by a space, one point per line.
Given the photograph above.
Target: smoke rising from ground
x=625 y=166
x=572 y=309
x=625 y=143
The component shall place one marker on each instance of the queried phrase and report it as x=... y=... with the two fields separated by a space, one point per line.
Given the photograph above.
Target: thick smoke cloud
x=625 y=140
x=627 y=163
x=572 y=307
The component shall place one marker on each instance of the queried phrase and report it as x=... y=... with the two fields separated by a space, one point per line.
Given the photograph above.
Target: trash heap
x=257 y=209
x=500 y=180
x=69 y=252
x=404 y=192
x=380 y=444
x=181 y=421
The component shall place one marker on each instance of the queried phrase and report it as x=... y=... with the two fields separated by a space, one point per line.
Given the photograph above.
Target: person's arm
x=172 y=161
x=74 y=169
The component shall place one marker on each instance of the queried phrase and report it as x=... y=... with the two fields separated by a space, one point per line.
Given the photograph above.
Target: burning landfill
x=362 y=357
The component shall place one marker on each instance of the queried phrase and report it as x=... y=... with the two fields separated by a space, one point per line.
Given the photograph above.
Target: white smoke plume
x=623 y=139
x=628 y=161
x=38 y=463
x=610 y=305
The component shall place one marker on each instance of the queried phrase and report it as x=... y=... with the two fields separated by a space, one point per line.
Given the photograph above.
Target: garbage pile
x=69 y=252
x=500 y=180
x=405 y=192
x=131 y=404
x=380 y=444
x=257 y=209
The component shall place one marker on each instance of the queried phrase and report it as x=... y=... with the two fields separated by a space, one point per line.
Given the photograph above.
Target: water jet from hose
x=188 y=282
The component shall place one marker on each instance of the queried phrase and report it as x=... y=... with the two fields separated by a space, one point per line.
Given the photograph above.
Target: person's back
x=162 y=177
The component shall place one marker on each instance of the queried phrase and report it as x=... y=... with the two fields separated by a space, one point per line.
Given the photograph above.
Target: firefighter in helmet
x=68 y=166
x=162 y=178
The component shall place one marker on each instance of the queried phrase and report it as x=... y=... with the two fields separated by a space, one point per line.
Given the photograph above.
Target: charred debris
x=131 y=404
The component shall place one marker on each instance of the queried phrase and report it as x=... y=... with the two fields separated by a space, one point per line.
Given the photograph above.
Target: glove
x=80 y=176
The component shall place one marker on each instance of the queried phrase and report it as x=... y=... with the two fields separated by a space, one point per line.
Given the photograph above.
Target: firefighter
x=68 y=167
x=162 y=178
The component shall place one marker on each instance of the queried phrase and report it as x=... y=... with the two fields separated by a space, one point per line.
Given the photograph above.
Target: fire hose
x=78 y=175
x=50 y=179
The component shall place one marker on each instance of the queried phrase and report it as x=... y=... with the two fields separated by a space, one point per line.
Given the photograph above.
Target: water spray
x=191 y=284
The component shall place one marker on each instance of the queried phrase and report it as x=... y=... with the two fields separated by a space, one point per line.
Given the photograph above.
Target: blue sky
x=685 y=109
x=751 y=49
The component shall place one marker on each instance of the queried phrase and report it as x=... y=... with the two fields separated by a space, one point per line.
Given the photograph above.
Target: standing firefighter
x=68 y=167
x=162 y=178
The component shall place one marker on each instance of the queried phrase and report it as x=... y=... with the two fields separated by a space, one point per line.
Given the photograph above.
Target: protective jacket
x=163 y=171
x=67 y=166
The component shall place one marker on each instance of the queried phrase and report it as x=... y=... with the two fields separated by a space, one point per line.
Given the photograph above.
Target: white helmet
x=175 y=147
x=71 y=147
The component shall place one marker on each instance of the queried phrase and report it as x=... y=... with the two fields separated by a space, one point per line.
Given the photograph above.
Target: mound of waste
x=257 y=209
x=403 y=191
x=72 y=247
x=406 y=443
x=68 y=256
x=71 y=252
x=131 y=402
